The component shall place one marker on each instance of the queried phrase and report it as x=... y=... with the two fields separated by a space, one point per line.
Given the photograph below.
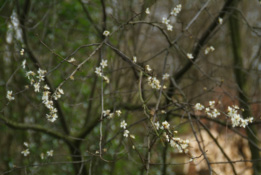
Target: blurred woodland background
x=66 y=38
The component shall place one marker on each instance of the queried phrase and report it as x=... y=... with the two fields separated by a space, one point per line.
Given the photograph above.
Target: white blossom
x=157 y=125
x=147 y=11
x=106 y=33
x=25 y=152
x=154 y=82
x=71 y=60
x=104 y=63
x=111 y=115
x=51 y=117
x=22 y=52
x=9 y=95
x=41 y=74
x=209 y=49
x=165 y=20
x=106 y=112
x=49 y=153
x=23 y=64
x=169 y=27
x=134 y=59
x=176 y=10
x=165 y=124
x=46 y=87
x=42 y=156
x=220 y=20
x=29 y=74
x=132 y=136
x=212 y=103
x=26 y=144
x=106 y=79
x=58 y=93
x=118 y=112
x=199 y=107
x=165 y=76
x=123 y=124
x=126 y=133
x=37 y=87
x=190 y=56
x=98 y=71
x=148 y=68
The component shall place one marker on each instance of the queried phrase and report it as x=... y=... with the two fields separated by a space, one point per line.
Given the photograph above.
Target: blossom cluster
x=46 y=98
x=10 y=96
x=98 y=70
x=190 y=56
x=236 y=119
x=35 y=80
x=107 y=113
x=175 y=142
x=233 y=114
x=211 y=111
x=126 y=132
x=48 y=154
x=209 y=49
x=48 y=102
x=174 y=12
x=154 y=82
x=26 y=152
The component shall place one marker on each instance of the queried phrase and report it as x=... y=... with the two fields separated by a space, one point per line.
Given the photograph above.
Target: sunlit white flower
x=106 y=33
x=58 y=93
x=148 y=68
x=48 y=103
x=165 y=76
x=147 y=11
x=166 y=137
x=37 y=87
x=157 y=125
x=98 y=71
x=199 y=106
x=104 y=63
x=208 y=49
x=23 y=64
x=22 y=52
x=51 y=117
x=111 y=115
x=106 y=79
x=220 y=20
x=134 y=59
x=49 y=153
x=71 y=60
x=42 y=156
x=165 y=20
x=126 y=133
x=154 y=82
x=9 y=95
x=41 y=74
x=190 y=56
x=106 y=112
x=29 y=74
x=169 y=27
x=123 y=124
x=212 y=103
x=26 y=144
x=118 y=112
x=165 y=124
x=176 y=10
x=46 y=87
x=25 y=152
x=132 y=136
